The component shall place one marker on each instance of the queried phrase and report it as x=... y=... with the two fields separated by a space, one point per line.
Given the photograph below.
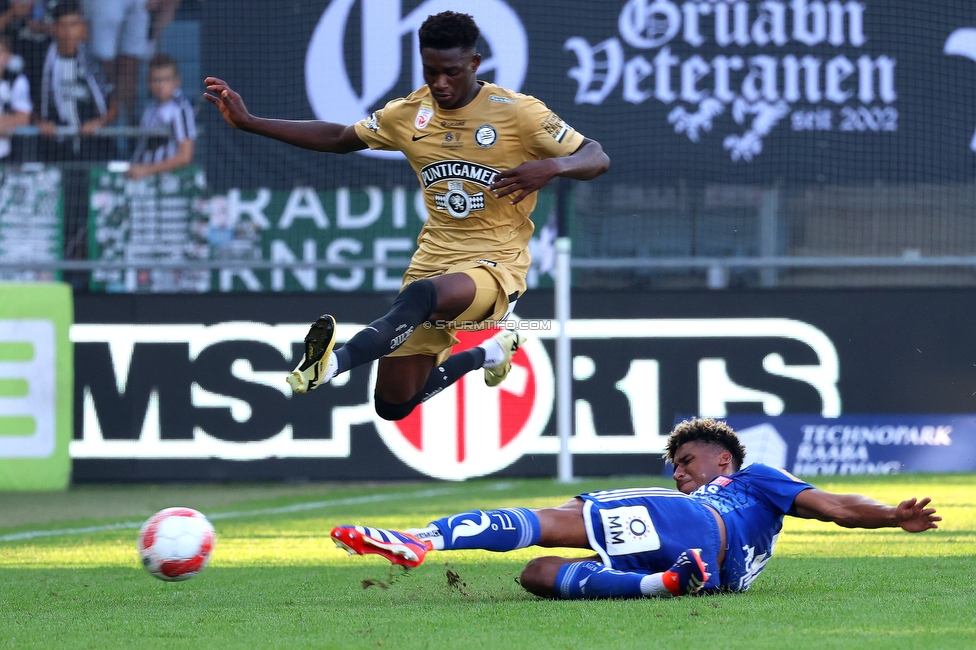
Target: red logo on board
x=471 y=429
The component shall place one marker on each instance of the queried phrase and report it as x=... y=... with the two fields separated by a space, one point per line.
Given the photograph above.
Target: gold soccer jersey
x=456 y=155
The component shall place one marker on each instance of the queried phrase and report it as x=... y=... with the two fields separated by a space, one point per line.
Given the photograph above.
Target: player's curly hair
x=708 y=431
x=447 y=30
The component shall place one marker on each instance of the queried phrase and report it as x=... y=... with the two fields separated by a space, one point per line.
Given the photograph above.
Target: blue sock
x=593 y=580
x=505 y=529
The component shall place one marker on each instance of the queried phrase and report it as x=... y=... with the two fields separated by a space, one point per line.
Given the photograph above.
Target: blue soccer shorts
x=645 y=529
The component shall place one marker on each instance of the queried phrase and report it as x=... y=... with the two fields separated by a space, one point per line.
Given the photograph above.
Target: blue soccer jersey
x=752 y=503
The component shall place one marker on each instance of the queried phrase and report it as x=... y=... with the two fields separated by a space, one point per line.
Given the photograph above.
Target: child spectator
x=170 y=111
x=15 y=100
x=74 y=92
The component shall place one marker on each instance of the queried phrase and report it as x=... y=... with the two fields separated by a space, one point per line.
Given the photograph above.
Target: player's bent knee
x=393 y=412
x=422 y=293
x=539 y=576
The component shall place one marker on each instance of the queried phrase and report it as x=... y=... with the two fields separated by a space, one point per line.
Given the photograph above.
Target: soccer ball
x=176 y=543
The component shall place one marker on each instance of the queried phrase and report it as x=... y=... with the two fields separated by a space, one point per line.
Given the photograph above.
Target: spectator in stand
x=170 y=111
x=120 y=39
x=15 y=99
x=161 y=14
x=74 y=91
x=27 y=23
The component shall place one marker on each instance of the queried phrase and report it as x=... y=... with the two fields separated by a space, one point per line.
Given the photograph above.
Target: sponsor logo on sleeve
x=555 y=127
x=500 y=100
x=373 y=123
x=424 y=114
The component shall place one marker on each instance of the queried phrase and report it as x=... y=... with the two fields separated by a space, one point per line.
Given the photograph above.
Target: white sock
x=494 y=354
x=430 y=534
x=653 y=585
x=330 y=368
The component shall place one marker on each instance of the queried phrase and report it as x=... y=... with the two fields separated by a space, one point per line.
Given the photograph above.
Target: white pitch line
x=297 y=507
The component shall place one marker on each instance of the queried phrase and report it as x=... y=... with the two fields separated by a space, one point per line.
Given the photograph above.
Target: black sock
x=456 y=366
x=413 y=306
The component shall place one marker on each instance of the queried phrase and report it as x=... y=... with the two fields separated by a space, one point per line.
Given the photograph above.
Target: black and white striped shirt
x=14 y=98
x=176 y=118
x=73 y=88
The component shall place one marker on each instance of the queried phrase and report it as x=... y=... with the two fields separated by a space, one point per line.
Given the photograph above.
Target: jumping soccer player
x=472 y=254
x=716 y=532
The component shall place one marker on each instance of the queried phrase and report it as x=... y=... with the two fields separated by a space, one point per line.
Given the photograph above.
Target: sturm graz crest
x=485 y=136
x=457 y=202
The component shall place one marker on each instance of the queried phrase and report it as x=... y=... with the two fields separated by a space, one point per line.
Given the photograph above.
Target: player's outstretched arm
x=586 y=163
x=857 y=511
x=307 y=134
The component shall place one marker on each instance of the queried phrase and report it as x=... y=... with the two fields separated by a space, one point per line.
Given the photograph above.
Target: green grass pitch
x=276 y=580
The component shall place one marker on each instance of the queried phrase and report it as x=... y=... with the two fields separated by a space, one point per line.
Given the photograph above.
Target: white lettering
x=855 y=12
x=716 y=390
x=236 y=207
x=635 y=71
x=640 y=386
x=739 y=32
x=811 y=77
x=399 y=207
x=691 y=11
x=345 y=219
x=692 y=71
x=886 y=79
x=303 y=203
x=809 y=21
x=760 y=83
x=334 y=254
x=770 y=26
x=722 y=66
x=662 y=75
x=838 y=69
x=648 y=26
x=382 y=246
x=281 y=253
x=251 y=282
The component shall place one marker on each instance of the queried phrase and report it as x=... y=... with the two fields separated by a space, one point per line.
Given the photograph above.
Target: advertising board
x=36 y=377
x=192 y=387
x=734 y=91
